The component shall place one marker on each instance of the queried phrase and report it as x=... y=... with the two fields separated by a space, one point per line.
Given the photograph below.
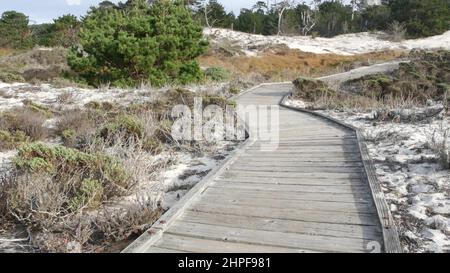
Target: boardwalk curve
x=316 y=192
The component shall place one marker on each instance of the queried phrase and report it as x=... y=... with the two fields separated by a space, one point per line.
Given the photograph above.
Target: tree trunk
x=280 y=19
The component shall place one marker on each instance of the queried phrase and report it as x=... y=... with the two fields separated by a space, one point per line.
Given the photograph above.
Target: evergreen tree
x=212 y=14
x=375 y=17
x=65 y=31
x=334 y=18
x=422 y=17
x=42 y=34
x=14 y=30
x=158 y=43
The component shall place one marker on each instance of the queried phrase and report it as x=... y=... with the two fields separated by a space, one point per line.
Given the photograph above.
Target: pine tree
x=14 y=30
x=422 y=17
x=65 y=31
x=156 y=43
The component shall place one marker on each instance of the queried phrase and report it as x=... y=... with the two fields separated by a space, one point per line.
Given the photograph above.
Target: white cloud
x=73 y=2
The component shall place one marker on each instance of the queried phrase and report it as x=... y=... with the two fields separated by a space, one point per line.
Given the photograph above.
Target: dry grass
x=289 y=64
x=396 y=31
x=68 y=215
x=75 y=127
x=70 y=206
x=6 y=52
x=25 y=120
x=342 y=101
x=41 y=204
x=126 y=224
x=33 y=65
x=440 y=144
x=412 y=85
x=66 y=97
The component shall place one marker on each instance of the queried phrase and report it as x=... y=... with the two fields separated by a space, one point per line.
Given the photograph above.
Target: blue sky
x=41 y=11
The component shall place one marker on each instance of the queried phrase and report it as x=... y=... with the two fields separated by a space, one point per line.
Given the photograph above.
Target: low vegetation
x=310 y=89
x=34 y=66
x=417 y=91
x=21 y=125
x=415 y=83
x=64 y=179
x=440 y=144
x=283 y=64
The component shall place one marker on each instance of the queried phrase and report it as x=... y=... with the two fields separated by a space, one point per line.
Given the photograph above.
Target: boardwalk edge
x=390 y=234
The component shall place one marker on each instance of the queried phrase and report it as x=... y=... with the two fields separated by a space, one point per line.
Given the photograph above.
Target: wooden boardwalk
x=311 y=194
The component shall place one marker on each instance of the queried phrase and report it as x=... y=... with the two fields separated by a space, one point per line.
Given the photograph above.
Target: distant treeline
x=325 y=18
x=328 y=18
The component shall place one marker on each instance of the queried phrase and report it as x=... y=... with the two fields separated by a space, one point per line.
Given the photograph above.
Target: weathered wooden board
x=292 y=204
x=291 y=188
x=347 y=218
x=288 y=195
x=270 y=163
x=299 y=169
x=192 y=244
x=237 y=173
x=280 y=225
x=295 y=181
x=269 y=238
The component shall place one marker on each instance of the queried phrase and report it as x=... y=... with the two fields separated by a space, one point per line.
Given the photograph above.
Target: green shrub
x=217 y=74
x=10 y=140
x=424 y=78
x=422 y=17
x=38 y=108
x=164 y=131
x=153 y=145
x=234 y=90
x=14 y=30
x=311 y=89
x=155 y=43
x=69 y=137
x=125 y=125
x=60 y=162
x=10 y=77
x=376 y=17
x=90 y=194
x=25 y=120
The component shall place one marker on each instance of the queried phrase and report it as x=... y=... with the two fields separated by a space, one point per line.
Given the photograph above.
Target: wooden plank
x=287 y=195
x=325 y=145
x=187 y=243
x=291 y=188
x=297 y=169
x=325 y=136
x=237 y=173
x=350 y=207
x=269 y=238
x=291 y=163
x=282 y=158
x=303 y=154
x=268 y=224
x=162 y=250
x=290 y=214
x=305 y=160
x=295 y=152
x=316 y=140
x=296 y=181
x=310 y=148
